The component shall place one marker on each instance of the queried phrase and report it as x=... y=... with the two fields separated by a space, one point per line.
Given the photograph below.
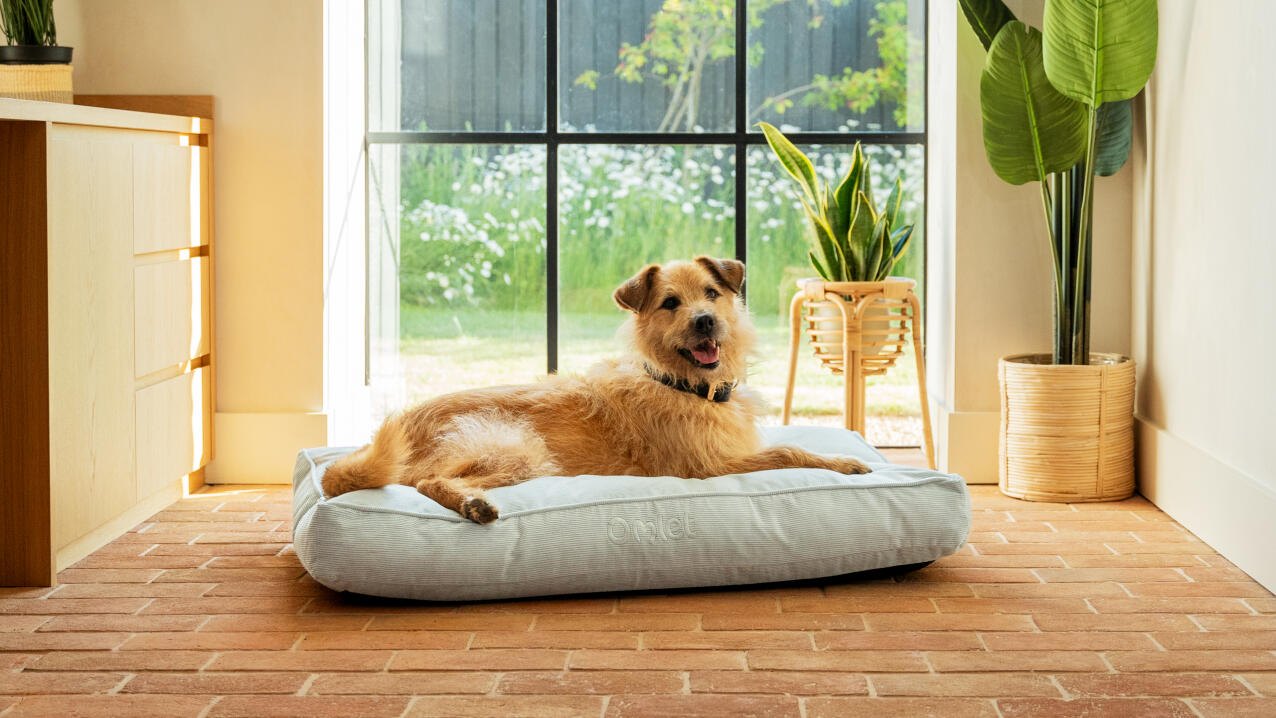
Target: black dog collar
x=722 y=394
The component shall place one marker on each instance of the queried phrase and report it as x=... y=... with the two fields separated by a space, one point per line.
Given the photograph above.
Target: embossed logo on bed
x=659 y=529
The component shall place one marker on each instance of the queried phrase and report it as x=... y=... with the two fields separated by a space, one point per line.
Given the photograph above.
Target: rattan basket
x=1067 y=431
x=47 y=83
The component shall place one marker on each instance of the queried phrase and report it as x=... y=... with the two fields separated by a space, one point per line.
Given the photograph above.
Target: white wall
x=989 y=285
x=1205 y=252
x=262 y=61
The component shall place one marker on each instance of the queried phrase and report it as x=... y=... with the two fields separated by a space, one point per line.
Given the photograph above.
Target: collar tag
x=721 y=395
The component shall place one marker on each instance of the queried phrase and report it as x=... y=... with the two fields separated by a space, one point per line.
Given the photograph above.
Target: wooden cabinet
x=106 y=351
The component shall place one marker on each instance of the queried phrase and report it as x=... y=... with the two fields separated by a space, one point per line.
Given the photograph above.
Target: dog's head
x=688 y=320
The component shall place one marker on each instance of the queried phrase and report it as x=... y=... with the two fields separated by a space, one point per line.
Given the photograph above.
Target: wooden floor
x=1051 y=610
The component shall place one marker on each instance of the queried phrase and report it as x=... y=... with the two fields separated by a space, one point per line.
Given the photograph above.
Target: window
x=526 y=156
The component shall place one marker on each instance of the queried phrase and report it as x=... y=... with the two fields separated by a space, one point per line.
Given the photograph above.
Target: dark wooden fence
x=480 y=64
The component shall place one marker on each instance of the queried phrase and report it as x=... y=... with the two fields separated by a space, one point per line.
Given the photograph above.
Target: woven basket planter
x=1067 y=431
x=47 y=83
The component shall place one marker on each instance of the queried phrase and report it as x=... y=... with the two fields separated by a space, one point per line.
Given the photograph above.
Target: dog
x=673 y=408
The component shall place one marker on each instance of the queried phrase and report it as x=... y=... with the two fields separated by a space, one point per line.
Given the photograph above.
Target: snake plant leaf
x=833 y=256
x=1099 y=51
x=986 y=18
x=881 y=262
x=859 y=238
x=819 y=268
x=891 y=210
x=1116 y=127
x=1030 y=129
x=866 y=180
x=794 y=162
x=900 y=238
x=838 y=216
x=845 y=194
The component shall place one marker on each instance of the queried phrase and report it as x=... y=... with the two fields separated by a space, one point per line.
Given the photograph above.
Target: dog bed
x=579 y=534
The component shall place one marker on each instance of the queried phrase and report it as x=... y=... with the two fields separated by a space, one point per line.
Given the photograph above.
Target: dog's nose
x=704 y=324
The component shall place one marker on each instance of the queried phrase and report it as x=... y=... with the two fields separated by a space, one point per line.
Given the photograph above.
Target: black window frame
x=740 y=139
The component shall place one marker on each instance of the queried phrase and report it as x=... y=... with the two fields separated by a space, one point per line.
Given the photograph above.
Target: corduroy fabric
x=582 y=534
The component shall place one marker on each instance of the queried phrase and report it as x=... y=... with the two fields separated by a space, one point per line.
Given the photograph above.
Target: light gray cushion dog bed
x=577 y=534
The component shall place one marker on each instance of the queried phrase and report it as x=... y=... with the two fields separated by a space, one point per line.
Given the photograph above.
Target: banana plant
x=851 y=240
x=1056 y=109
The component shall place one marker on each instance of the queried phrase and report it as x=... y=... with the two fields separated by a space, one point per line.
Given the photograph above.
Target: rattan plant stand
x=861 y=325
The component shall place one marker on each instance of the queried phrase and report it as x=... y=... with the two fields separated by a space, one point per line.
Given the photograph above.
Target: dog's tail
x=380 y=463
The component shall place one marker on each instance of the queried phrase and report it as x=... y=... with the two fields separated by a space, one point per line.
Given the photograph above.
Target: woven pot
x=881 y=307
x=1067 y=431
x=47 y=83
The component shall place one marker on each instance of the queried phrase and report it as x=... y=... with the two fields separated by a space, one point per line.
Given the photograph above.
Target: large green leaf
x=1030 y=130
x=794 y=162
x=1099 y=51
x=986 y=18
x=845 y=194
x=833 y=256
x=1116 y=127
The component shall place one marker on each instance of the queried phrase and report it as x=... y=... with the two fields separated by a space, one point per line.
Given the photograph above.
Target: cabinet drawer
x=168 y=204
x=174 y=425
x=170 y=321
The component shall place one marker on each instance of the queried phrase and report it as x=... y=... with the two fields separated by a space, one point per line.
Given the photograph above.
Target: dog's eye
x=671 y=303
x=711 y=293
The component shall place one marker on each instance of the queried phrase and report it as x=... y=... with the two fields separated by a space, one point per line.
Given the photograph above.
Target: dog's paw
x=478 y=510
x=851 y=466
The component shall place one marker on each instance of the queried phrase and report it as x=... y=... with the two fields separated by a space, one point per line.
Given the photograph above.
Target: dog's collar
x=702 y=390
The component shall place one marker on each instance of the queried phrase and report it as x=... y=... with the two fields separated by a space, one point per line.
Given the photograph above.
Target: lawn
x=443 y=350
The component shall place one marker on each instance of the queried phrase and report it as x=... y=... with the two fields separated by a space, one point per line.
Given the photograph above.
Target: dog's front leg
x=788 y=457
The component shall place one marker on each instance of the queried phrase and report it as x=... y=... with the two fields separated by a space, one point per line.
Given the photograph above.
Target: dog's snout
x=705 y=324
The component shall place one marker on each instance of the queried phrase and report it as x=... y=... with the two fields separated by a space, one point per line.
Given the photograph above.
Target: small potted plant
x=858 y=317
x=1056 y=110
x=32 y=64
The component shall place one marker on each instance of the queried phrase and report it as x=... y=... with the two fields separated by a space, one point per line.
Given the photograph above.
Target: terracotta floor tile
x=876 y=604
x=532 y=659
x=1262 y=640
x=1030 y=606
x=33 y=642
x=554 y=639
x=309 y=707
x=1236 y=707
x=900 y=707
x=975 y=685
x=210 y=641
x=505 y=707
x=590 y=682
x=1094 y=708
x=407 y=684
x=383 y=640
x=1095 y=575
x=216 y=683
x=30 y=684
x=616 y=622
x=1218 y=589
x=1169 y=605
x=671 y=660
x=948 y=622
x=314 y=661
x=729 y=640
x=703 y=706
x=1237 y=623
x=843 y=661
x=1011 y=661
x=1264 y=683
x=55 y=606
x=1049 y=590
x=1118 y=685
x=1114 y=622
x=787 y=682
x=18 y=624
x=118 y=706
x=1068 y=641
x=780 y=622
x=897 y=641
x=1184 y=660
x=286 y=623
x=127 y=624
x=892 y=589
x=133 y=590
x=541 y=605
x=1141 y=560
x=453 y=622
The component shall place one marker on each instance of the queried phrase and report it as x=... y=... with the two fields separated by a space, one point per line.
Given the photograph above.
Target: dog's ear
x=633 y=293
x=728 y=272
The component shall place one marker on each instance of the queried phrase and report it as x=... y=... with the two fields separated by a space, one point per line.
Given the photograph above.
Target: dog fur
x=616 y=419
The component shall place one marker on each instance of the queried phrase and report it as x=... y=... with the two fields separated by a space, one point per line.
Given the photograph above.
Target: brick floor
x=1051 y=610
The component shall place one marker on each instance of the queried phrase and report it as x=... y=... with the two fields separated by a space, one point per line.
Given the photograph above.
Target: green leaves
x=853 y=242
x=1116 y=126
x=986 y=18
x=1099 y=51
x=794 y=162
x=1030 y=129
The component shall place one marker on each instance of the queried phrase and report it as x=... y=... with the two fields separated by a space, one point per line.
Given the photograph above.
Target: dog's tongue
x=706 y=353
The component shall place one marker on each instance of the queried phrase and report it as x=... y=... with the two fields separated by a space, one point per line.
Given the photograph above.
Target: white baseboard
x=966 y=443
x=1229 y=510
x=252 y=448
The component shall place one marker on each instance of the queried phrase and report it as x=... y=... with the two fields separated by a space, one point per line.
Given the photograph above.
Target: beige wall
x=262 y=61
x=990 y=275
x=1205 y=253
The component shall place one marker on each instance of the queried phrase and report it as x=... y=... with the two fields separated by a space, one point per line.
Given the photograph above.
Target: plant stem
x=1080 y=331
x=1056 y=221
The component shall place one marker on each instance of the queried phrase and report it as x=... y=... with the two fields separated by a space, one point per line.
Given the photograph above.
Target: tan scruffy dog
x=669 y=410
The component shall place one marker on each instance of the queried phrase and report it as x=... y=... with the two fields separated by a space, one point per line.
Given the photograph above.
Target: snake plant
x=852 y=240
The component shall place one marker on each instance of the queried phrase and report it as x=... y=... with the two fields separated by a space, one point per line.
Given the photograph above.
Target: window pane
x=467 y=278
x=646 y=65
x=622 y=207
x=778 y=246
x=457 y=65
x=831 y=65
